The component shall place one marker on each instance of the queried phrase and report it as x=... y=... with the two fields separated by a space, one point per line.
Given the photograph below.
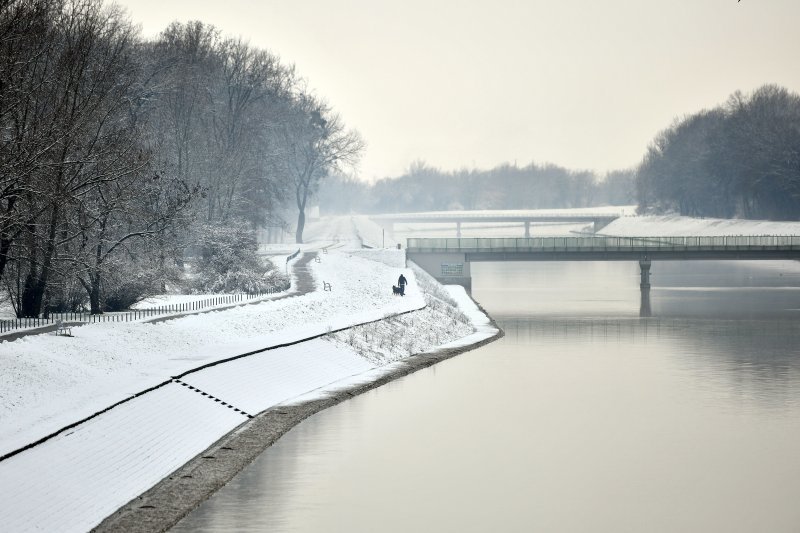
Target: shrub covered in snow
x=126 y=292
x=227 y=262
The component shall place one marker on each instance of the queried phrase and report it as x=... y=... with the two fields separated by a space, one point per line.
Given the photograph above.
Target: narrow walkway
x=304 y=285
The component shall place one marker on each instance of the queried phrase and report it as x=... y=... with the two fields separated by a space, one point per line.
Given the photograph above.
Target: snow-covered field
x=674 y=225
x=625 y=226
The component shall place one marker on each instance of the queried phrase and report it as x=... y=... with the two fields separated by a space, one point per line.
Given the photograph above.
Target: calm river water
x=584 y=417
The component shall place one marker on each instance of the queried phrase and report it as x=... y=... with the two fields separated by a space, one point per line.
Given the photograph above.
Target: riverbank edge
x=166 y=503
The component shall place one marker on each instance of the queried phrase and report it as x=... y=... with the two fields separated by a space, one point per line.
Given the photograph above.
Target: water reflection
x=644 y=307
x=752 y=360
x=704 y=289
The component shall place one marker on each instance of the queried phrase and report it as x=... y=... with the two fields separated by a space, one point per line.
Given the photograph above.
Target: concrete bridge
x=525 y=217
x=448 y=260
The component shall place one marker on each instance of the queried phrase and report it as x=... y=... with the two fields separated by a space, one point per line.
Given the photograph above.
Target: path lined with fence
x=36 y=326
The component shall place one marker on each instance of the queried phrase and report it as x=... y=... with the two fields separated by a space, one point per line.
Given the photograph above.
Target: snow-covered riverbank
x=48 y=382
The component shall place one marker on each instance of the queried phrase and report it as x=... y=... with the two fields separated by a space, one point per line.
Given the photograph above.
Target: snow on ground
x=337 y=232
x=388 y=257
x=373 y=235
x=73 y=481
x=398 y=337
x=674 y=225
x=108 y=362
x=163 y=300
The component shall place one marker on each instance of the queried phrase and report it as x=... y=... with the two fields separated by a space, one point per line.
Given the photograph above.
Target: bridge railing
x=544 y=244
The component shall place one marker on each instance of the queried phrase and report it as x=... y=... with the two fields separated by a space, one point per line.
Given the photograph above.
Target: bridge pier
x=644 y=267
x=644 y=287
x=458 y=230
x=527 y=229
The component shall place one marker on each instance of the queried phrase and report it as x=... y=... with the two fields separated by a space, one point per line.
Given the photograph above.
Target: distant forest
x=424 y=188
x=738 y=160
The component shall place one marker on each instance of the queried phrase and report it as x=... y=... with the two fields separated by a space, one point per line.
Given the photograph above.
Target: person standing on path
x=402 y=283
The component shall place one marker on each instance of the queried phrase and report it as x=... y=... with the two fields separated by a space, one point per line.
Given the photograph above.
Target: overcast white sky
x=474 y=83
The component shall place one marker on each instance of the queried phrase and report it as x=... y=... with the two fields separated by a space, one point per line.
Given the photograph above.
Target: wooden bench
x=63 y=329
x=326 y=286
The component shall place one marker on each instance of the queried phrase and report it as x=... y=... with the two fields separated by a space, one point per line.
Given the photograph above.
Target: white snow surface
x=675 y=225
x=75 y=479
x=108 y=362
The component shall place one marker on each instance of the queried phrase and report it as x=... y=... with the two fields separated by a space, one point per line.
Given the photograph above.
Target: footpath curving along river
x=584 y=417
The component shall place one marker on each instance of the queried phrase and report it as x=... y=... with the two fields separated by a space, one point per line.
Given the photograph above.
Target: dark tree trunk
x=5 y=239
x=5 y=247
x=95 y=277
x=301 y=223
x=94 y=295
x=28 y=301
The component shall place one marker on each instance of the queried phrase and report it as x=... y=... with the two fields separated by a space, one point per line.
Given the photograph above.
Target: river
x=584 y=417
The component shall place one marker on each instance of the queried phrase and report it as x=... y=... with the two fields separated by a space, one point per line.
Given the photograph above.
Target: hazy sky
x=474 y=83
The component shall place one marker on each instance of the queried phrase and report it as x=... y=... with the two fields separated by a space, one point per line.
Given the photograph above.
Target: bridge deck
x=612 y=248
x=497 y=216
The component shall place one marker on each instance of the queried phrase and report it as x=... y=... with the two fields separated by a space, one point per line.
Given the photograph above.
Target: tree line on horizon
x=119 y=154
x=738 y=160
x=507 y=186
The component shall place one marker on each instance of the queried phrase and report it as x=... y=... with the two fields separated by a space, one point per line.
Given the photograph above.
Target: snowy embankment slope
x=48 y=381
x=74 y=480
x=674 y=225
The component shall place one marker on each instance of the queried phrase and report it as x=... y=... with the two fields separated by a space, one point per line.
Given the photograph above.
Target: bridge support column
x=458 y=230
x=644 y=287
x=527 y=229
x=644 y=266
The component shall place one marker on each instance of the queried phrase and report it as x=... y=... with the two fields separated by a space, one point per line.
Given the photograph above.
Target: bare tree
x=314 y=142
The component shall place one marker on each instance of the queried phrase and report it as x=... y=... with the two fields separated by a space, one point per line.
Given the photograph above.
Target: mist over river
x=584 y=417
